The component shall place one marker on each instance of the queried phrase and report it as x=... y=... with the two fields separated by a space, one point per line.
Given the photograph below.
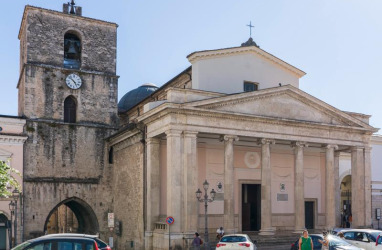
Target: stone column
x=174 y=179
x=337 y=188
x=153 y=183
x=368 y=212
x=191 y=205
x=330 y=204
x=229 y=205
x=266 y=208
x=299 y=201
x=357 y=187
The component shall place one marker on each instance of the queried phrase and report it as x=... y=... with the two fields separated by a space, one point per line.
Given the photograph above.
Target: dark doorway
x=3 y=232
x=309 y=214
x=251 y=207
x=72 y=216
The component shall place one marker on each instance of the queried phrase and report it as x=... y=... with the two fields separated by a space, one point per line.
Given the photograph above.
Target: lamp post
x=206 y=199
x=15 y=195
x=12 y=206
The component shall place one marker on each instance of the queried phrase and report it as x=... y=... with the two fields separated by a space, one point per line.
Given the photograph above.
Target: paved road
x=284 y=247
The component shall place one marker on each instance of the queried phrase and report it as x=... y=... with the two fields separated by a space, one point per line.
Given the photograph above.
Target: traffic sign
x=170 y=220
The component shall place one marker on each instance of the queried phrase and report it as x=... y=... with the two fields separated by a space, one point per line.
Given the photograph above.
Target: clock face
x=73 y=81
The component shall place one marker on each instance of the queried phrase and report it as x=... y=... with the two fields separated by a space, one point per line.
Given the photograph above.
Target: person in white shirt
x=220 y=233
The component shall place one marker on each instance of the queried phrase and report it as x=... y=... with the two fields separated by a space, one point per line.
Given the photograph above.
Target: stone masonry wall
x=128 y=193
x=376 y=202
x=42 y=92
x=45 y=34
x=64 y=161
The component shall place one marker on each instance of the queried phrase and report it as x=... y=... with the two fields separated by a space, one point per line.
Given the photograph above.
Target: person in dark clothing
x=197 y=242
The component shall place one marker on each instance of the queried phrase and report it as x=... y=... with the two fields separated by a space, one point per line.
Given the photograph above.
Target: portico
x=234 y=147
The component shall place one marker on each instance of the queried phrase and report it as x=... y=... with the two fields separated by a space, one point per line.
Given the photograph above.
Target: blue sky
x=338 y=43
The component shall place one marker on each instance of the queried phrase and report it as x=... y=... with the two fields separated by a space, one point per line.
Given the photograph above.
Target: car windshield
x=374 y=236
x=335 y=241
x=21 y=246
x=233 y=238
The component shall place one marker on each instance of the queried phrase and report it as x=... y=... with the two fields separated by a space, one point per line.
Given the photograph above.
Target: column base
x=267 y=231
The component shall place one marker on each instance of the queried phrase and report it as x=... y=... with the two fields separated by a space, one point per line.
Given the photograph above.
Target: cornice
x=12 y=139
x=127 y=142
x=47 y=66
x=54 y=12
x=200 y=55
x=376 y=140
x=168 y=109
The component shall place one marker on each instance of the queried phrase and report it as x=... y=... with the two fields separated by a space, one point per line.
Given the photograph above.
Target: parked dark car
x=335 y=243
x=101 y=245
x=58 y=243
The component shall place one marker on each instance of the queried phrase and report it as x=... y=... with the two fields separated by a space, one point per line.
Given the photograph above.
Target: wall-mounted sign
x=282 y=197
x=378 y=213
x=110 y=219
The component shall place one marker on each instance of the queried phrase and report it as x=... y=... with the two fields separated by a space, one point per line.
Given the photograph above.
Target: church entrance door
x=72 y=216
x=309 y=214
x=251 y=207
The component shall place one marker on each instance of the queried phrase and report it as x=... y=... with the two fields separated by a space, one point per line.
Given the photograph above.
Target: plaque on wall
x=282 y=197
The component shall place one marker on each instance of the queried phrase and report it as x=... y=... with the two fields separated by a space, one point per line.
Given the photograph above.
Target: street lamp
x=12 y=206
x=15 y=196
x=205 y=200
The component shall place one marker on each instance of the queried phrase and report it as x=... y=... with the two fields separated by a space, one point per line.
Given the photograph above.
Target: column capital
x=356 y=148
x=230 y=138
x=266 y=141
x=173 y=132
x=330 y=146
x=152 y=140
x=299 y=144
x=191 y=134
x=368 y=148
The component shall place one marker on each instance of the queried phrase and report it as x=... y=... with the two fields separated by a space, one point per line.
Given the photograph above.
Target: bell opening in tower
x=72 y=51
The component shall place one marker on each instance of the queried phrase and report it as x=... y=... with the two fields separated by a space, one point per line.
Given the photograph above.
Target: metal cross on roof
x=250 y=28
x=72 y=7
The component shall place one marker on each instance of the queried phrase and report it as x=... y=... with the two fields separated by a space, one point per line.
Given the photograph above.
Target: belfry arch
x=72 y=215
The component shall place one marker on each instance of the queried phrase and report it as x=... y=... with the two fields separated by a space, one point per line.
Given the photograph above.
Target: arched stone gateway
x=72 y=215
x=3 y=231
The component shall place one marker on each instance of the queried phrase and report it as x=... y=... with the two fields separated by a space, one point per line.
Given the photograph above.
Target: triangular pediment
x=285 y=103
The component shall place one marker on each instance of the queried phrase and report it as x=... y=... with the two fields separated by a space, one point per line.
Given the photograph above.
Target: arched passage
x=3 y=232
x=346 y=194
x=72 y=215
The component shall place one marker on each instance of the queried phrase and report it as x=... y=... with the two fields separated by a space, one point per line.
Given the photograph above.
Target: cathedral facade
x=235 y=118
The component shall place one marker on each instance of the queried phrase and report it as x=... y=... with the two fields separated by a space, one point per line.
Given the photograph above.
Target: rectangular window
x=250 y=86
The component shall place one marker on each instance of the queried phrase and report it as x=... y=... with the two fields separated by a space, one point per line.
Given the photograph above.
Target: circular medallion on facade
x=252 y=159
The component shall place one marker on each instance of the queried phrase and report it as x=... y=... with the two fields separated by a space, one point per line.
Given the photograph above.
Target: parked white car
x=236 y=242
x=363 y=238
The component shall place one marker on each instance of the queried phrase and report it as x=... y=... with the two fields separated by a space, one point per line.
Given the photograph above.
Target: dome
x=133 y=97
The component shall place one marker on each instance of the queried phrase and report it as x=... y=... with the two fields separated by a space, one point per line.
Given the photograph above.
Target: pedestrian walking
x=197 y=242
x=305 y=242
x=325 y=241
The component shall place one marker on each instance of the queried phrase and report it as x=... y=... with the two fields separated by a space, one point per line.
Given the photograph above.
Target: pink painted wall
x=247 y=163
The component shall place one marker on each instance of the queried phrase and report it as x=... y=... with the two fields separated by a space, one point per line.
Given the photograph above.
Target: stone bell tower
x=68 y=94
